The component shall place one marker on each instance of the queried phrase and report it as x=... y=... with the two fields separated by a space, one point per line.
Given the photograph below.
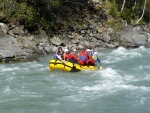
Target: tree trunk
x=124 y=1
x=134 y=4
x=142 y=13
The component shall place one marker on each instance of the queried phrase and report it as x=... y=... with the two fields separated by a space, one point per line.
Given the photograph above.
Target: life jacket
x=94 y=57
x=89 y=59
x=82 y=53
x=81 y=62
x=83 y=58
x=73 y=56
x=54 y=56
x=66 y=56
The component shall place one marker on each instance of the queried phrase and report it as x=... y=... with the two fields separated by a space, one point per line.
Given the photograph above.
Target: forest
x=56 y=16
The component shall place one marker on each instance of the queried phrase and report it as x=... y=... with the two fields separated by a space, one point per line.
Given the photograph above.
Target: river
x=122 y=87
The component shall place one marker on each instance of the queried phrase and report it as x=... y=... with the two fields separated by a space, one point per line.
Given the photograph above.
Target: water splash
x=121 y=54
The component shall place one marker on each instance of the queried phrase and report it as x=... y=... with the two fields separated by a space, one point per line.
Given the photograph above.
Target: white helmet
x=88 y=50
x=95 y=53
x=74 y=50
x=66 y=50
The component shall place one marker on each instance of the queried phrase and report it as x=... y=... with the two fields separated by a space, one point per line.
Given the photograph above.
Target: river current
x=122 y=87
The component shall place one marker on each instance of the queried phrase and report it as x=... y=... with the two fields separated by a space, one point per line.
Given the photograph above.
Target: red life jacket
x=82 y=53
x=89 y=59
x=66 y=56
x=73 y=56
x=81 y=62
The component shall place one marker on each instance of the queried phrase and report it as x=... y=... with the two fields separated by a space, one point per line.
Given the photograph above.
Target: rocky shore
x=17 y=44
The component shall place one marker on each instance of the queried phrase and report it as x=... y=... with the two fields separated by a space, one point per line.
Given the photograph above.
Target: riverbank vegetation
x=56 y=16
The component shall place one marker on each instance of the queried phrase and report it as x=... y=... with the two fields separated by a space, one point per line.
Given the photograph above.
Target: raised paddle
x=59 y=57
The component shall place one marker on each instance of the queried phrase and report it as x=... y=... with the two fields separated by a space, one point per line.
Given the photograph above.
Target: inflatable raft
x=69 y=66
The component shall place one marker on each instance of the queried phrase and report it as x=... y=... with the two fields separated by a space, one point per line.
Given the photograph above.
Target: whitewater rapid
x=122 y=87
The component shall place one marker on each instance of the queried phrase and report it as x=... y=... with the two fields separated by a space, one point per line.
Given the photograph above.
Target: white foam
x=112 y=59
x=143 y=67
x=6 y=90
x=142 y=101
x=36 y=65
x=111 y=74
x=110 y=82
x=109 y=88
x=121 y=54
x=9 y=69
x=129 y=78
x=142 y=48
x=5 y=101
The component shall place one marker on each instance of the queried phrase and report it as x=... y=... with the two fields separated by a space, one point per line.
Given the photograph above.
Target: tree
x=147 y=12
x=142 y=13
x=124 y=1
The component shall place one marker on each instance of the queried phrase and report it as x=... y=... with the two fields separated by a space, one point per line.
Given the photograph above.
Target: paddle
x=101 y=68
x=59 y=57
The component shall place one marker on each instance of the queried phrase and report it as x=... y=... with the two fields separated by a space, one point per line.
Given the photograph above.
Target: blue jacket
x=83 y=58
x=98 y=59
x=54 y=56
x=92 y=53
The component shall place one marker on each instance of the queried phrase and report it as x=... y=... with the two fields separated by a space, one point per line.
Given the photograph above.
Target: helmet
x=66 y=50
x=74 y=50
x=88 y=50
x=95 y=53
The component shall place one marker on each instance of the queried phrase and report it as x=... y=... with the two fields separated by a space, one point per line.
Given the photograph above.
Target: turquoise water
x=122 y=87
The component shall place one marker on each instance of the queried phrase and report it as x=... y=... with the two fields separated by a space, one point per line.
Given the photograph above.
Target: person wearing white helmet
x=89 y=59
x=73 y=57
x=92 y=51
x=96 y=58
x=66 y=54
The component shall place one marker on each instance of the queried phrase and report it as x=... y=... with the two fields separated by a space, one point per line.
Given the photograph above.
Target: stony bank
x=18 y=44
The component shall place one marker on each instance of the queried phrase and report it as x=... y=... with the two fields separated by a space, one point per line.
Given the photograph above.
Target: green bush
x=113 y=10
x=127 y=15
x=27 y=16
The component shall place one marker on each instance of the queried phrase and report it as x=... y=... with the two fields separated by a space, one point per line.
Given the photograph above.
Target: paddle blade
x=101 y=68
x=59 y=57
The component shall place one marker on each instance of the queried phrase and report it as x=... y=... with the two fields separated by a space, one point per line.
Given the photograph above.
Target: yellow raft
x=69 y=66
